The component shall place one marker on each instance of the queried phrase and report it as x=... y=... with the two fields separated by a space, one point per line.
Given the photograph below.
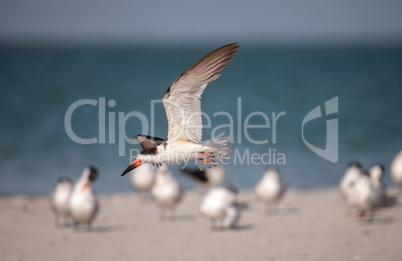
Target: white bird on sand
x=83 y=203
x=143 y=178
x=220 y=206
x=183 y=109
x=271 y=188
x=166 y=191
x=352 y=173
x=212 y=177
x=60 y=199
x=364 y=197
x=396 y=170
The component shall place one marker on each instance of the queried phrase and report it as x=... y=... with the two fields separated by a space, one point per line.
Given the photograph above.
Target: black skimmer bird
x=183 y=109
x=396 y=170
x=212 y=177
x=271 y=188
x=60 y=199
x=83 y=203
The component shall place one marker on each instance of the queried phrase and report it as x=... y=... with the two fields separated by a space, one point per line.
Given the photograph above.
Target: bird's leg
x=76 y=227
x=220 y=225
x=361 y=215
x=212 y=222
x=208 y=155
x=89 y=227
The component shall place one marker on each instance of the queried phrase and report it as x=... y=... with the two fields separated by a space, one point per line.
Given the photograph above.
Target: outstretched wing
x=182 y=98
x=148 y=142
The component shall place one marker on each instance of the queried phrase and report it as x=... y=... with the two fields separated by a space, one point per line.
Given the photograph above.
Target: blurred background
x=294 y=56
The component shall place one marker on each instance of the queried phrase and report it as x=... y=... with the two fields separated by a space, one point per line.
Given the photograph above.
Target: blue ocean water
x=39 y=85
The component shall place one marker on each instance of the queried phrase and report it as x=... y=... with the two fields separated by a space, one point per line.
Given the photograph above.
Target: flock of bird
x=361 y=190
x=78 y=205
x=220 y=200
x=365 y=191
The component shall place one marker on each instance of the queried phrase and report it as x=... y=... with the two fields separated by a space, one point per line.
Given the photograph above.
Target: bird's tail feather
x=220 y=146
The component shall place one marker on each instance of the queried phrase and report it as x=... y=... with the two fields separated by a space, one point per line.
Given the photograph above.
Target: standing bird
x=364 y=198
x=271 y=188
x=212 y=177
x=396 y=170
x=167 y=191
x=183 y=109
x=352 y=173
x=59 y=200
x=83 y=203
x=142 y=179
x=220 y=206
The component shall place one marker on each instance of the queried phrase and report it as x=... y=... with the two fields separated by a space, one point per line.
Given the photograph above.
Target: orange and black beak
x=136 y=163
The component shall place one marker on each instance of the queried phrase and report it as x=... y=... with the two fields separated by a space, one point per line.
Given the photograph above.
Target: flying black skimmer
x=60 y=199
x=166 y=191
x=220 y=206
x=347 y=182
x=142 y=179
x=183 y=109
x=271 y=188
x=83 y=203
x=396 y=170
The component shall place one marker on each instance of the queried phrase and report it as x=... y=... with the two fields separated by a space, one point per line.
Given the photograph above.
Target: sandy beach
x=310 y=225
